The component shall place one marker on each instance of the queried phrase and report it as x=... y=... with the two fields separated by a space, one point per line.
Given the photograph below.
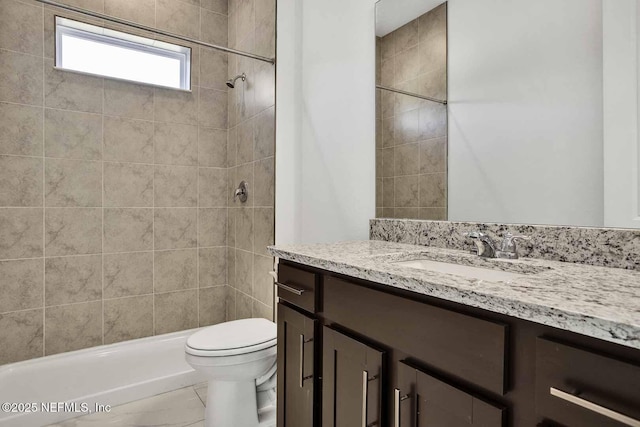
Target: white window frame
x=65 y=26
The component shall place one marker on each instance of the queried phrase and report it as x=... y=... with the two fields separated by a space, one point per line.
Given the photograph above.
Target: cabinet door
x=424 y=401
x=353 y=378
x=296 y=372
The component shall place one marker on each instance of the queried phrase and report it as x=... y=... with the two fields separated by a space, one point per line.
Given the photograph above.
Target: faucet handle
x=509 y=248
x=242 y=192
x=472 y=235
x=485 y=247
x=508 y=237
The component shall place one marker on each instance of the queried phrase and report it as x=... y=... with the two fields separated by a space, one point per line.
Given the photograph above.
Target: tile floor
x=178 y=408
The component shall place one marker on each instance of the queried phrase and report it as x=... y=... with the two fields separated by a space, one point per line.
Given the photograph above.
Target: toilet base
x=232 y=404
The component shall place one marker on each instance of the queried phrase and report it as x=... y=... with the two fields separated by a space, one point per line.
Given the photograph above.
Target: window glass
x=95 y=50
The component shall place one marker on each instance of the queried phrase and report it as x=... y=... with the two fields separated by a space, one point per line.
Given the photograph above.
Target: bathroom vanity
x=368 y=337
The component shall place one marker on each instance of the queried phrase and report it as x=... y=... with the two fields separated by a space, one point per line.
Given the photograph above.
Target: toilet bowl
x=238 y=360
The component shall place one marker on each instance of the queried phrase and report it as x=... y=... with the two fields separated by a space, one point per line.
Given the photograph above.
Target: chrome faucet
x=486 y=247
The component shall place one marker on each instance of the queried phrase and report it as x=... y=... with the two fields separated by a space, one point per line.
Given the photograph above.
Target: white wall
x=325 y=120
x=525 y=112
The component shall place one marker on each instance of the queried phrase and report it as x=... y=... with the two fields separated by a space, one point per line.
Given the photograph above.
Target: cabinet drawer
x=424 y=400
x=576 y=387
x=298 y=287
x=471 y=349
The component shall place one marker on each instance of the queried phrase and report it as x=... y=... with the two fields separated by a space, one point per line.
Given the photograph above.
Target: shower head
x=232 y=82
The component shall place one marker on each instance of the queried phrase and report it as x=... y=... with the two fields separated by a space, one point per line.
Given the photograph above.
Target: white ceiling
x=393 y=14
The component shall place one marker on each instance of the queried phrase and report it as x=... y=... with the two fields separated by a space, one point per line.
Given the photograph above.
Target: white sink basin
x=478 y=273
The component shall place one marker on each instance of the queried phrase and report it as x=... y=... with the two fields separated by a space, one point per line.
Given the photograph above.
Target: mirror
x=508 y=111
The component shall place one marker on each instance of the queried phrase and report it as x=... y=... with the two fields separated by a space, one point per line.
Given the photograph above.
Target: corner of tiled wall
x=251 y=155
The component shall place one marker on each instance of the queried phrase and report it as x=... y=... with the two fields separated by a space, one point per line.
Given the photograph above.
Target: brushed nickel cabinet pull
x=593 y=407
x=301 y=361
x=396 y=407
x=365 y=393
x=290 y=288
x=397 y=399
x=302 y=377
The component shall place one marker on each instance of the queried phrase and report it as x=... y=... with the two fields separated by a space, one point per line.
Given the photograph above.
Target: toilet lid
x=237 y=334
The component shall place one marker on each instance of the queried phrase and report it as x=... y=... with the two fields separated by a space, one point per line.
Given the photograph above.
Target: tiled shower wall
x=411 y=140
x=113 y=196
x=251 y=158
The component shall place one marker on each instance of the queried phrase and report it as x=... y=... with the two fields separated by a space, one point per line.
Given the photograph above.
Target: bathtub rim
x=101 y=349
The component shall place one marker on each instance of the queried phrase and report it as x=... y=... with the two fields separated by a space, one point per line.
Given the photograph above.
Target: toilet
x=238 y=360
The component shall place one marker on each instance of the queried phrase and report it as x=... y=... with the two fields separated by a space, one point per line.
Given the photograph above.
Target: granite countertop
x=600 y=302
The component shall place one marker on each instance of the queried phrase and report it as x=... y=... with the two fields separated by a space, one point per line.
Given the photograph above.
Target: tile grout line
x=115 y=116
x=78 y=159
x=236 y=95
x=198 y=194
x=105 y=253
x=235 y=212
x=200 y=50
x=102 y=210
x=153 y=210
x=108 y=299
x=227 y=189
x=44 y=229
x=114 y=208
x=232 y=62
x=253 y=231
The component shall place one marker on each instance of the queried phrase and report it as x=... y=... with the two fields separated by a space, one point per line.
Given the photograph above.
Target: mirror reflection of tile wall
x=411 y=133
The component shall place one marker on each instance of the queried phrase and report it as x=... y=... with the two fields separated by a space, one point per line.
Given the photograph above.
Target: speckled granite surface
x=607 y=247
x=599 y=302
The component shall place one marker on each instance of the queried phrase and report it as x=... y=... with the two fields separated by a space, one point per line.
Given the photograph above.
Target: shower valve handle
x=242 y=192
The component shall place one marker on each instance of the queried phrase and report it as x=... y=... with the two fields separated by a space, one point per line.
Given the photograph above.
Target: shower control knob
x=242 y=192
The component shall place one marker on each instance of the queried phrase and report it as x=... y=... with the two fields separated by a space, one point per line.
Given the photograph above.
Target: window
x=95 y=50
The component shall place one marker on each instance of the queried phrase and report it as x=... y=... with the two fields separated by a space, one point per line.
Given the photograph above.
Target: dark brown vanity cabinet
x=354 y=353
x=296 y=368
x=352 y=381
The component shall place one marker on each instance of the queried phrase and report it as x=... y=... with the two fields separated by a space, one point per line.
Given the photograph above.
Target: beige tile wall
x=251 y=158
x=411 y=133
x=114 y=196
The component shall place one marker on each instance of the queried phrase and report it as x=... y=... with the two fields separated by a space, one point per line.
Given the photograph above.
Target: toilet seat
x=233 y=338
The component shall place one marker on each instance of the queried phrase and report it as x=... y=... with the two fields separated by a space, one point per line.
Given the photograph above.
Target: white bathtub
x=107 y=375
